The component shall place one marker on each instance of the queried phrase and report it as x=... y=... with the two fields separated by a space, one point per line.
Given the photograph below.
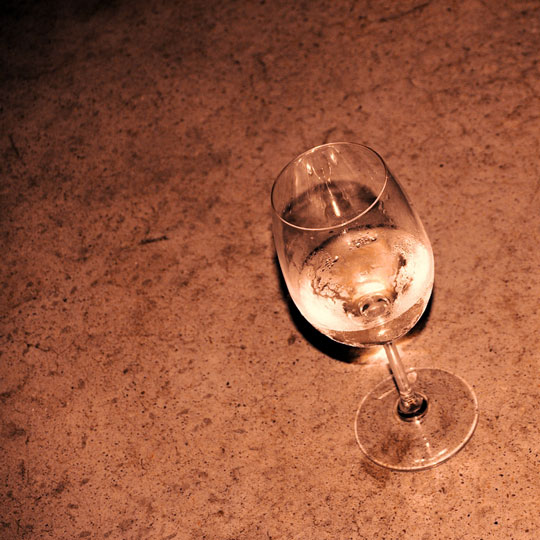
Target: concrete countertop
x=155 y=381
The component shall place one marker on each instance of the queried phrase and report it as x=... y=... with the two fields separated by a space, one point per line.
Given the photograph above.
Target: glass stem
x=411 y=405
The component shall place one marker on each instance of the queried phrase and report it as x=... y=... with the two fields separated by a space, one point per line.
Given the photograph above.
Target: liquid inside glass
x=366 y=286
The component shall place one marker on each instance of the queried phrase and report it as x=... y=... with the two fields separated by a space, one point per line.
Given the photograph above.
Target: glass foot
x=421 y=442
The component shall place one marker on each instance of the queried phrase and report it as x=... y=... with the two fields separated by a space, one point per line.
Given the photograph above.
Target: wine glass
x=359 y=266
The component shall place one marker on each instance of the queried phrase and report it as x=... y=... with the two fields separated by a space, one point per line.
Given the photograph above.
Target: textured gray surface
x=155 y=382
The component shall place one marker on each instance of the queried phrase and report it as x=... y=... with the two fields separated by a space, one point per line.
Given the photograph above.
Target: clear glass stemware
x=359 y=266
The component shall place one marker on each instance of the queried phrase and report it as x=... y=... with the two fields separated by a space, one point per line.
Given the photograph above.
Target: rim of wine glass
x=318 y=147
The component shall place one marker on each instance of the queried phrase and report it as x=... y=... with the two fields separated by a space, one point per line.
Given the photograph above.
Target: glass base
x=422 y=442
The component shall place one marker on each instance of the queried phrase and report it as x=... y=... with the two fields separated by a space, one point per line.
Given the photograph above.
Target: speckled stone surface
x=155 y=381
